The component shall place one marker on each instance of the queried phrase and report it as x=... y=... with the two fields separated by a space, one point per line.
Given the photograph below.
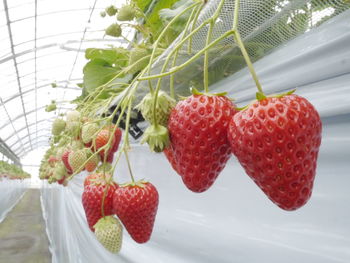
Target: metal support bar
x=14 y=60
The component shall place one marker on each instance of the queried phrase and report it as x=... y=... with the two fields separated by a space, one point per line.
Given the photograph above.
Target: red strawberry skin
x=64 y=159
x=170 y=156
x=277 y=140
x=198 y=136
x=92 y=202
x=136 y=208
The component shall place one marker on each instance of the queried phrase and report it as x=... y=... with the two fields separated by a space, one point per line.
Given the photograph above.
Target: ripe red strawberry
x=277 y=140
x=198 y=136
x=92 y=201
x=64 y=158
x=136 y=206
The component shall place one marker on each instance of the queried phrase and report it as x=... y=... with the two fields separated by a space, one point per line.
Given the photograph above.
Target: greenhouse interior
x=174 y=131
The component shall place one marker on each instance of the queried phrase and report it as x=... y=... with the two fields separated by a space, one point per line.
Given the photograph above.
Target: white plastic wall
x=11 y=191
x=234 y=221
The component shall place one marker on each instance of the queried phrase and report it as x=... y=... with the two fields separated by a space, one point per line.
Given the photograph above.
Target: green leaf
x=142 y=4
x=112 y=56
x=96 y=73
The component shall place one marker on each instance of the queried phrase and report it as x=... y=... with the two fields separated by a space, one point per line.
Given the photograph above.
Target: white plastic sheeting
x=11 y=191
x=233 y=221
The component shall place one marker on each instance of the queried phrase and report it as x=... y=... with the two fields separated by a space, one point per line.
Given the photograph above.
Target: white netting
x=264 y=25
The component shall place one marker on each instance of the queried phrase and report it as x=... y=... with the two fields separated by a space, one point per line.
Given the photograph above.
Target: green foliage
x=142 y=4
x=104 y=64
x=12 y=171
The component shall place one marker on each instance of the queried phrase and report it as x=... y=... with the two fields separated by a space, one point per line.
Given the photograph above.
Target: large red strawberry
x=65 y=161
x=277 y=140
x=198 y=135
x=92 y=201
x=136 y=206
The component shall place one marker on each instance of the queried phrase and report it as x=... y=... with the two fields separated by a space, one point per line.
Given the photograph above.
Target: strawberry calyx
x=261 y=96
x=194 y=91
x=157 y=137
x=141 y=183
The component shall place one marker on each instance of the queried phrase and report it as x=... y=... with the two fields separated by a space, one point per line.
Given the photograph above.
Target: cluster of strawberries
x=82 y=144
x=135 y=204
x=276 y=139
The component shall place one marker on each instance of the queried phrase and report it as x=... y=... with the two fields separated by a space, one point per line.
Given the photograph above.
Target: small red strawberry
x=92 y=201
x=117 y=139
x=276 y=140
x=198 y=136
x=101 y=140
x=64 y=158
x=93 y=161
x=136 y=206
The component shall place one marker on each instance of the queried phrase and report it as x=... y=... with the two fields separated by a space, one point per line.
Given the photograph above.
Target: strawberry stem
x=129 y=165
x=241 y=46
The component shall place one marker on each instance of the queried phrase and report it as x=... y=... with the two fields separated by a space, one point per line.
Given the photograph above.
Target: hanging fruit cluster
x=276 y=138
x=12 y=171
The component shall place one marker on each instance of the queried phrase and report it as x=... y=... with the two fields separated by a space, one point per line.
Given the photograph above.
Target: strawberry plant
x=275 y=138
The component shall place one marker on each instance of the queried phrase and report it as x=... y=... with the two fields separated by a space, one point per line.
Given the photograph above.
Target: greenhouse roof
x=43 y=42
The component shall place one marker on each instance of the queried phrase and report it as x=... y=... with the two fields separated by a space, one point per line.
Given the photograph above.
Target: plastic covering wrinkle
x=11 y=192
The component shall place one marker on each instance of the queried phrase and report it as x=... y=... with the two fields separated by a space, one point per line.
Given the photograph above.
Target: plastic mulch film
x=11 y=191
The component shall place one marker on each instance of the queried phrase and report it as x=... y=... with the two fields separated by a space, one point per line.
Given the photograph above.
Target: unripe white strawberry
x=58 y=126
x=114 y=30
x=59 y=171
x=88 y=131
x=126 y=13
x=109 y=232
x=76 y=160
x=73 y=115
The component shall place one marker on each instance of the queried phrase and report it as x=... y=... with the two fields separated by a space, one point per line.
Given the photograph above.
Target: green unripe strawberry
x=77 y=145
x=111 y=10
x=88 y=131
x=51 y=107
x=164 y=105
x=73 y=127
x=59 y=153
x=114 y=30
x=109 y=232
x=103 y=14
x=58 y=126
x=76 y=160
x=126 y=13
x=59 y=171
x=138 y=59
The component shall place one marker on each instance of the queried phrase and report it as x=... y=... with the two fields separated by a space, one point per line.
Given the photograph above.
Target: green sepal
x=260 y=96
x=157 y=137
x=194 y=91
x=141 y=183
x=283 y=94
